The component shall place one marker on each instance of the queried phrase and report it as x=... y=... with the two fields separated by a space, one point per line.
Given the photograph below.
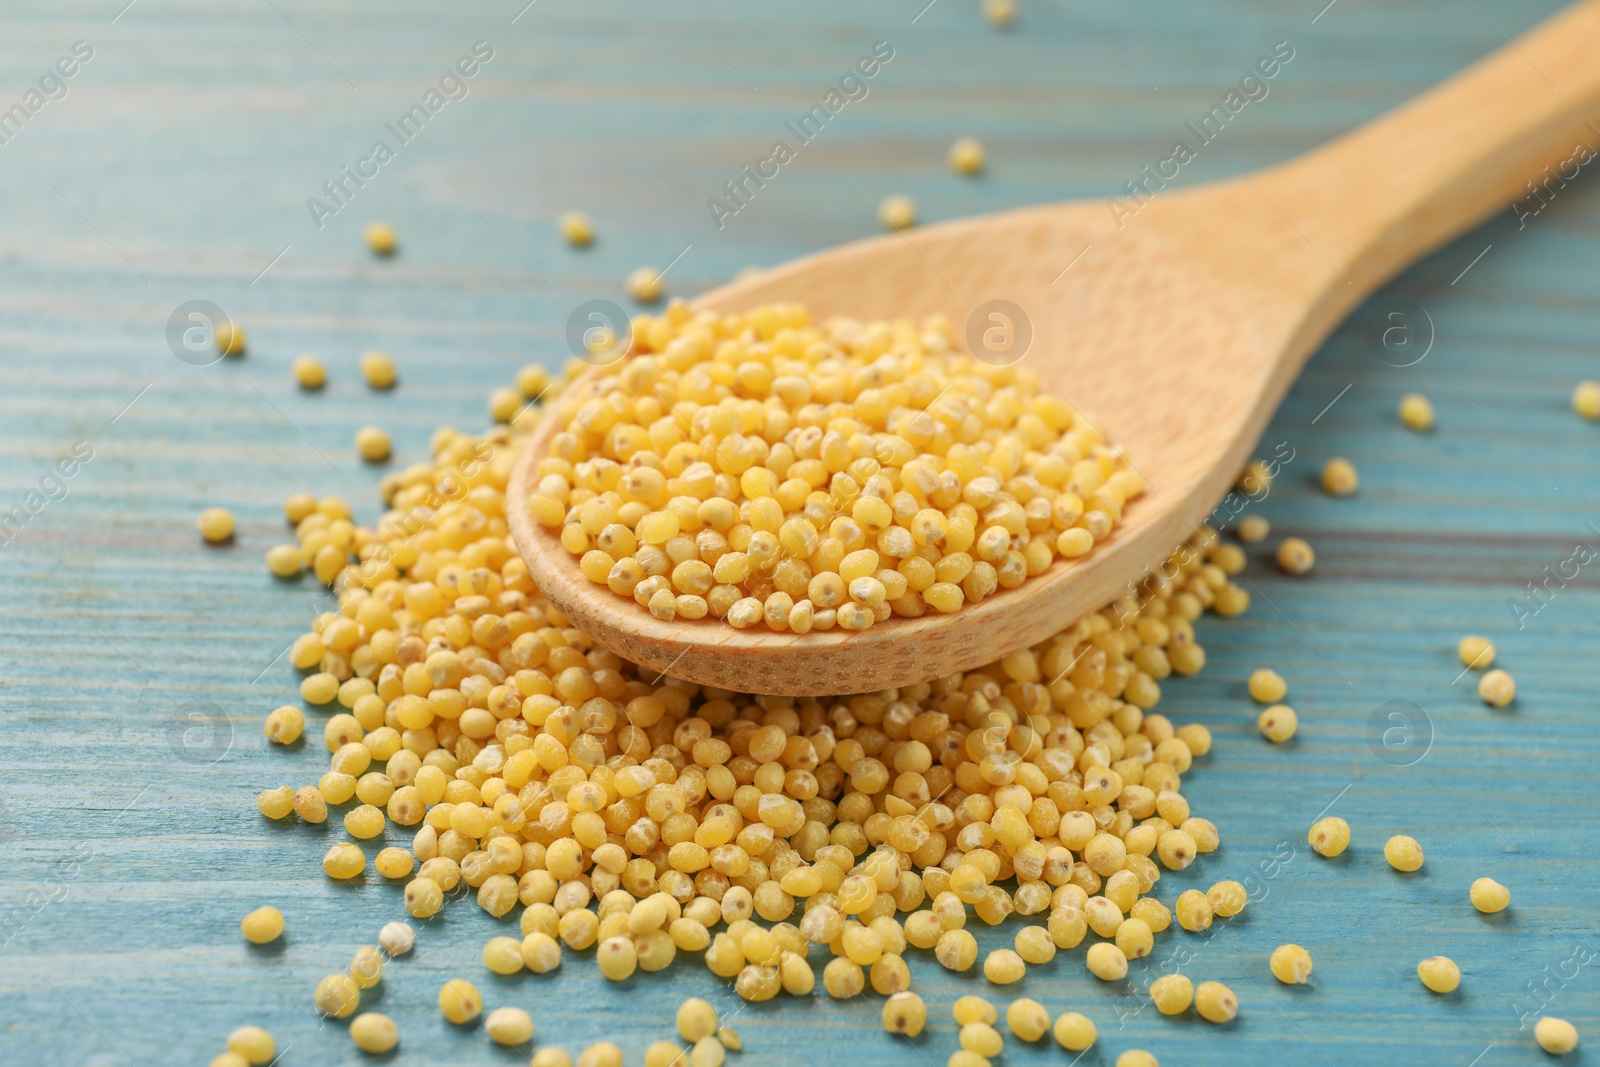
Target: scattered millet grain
x=1339 y=477
x=1074 y=1032
x=1439 y=973
x=1107 y=962
x=1586 y=400
x=1556 y=1036
x=379 y=371
x=262 y=926
x=1403 y=853
x=966 y=156
x=1172 y=994
x=373 y=444
x=252 y=1044
x=1000 y=13
x=381 y=238
x=1137 y=1057
x=215 y=524
x=285 y=725
x=904 y=1013
x=644 y=285
x=664 y=1054
x=506 y=404
x=696 y=1019
x=344 y=861
x=762 y=471
x=1253 y=529
x=1290 y=964
x=1475 y=651
x=1004 y=967
x=1267 y=687
x=1497 y=688
x=309 y=372
x=898 y=212
x=1027 y=1019
x=1227 y=898
x=1215 y=1002
x=1329 y=836
x=1489 y=896
x=298 y=507
x=1295 y=556
x=1278 y=723
x=397 y=938
x=1194 y=911
x=229 y=337
x=576 y=229
x=374 y=1032
x=707 y=1052
x=337 y=996
x=229 y=1059
x=974 y=1009
x=459 y=1001
x=983 y=1039
x=730 y=1038
x=600 y=1054
x=1255 y=479
x=1416 y=412
x=509 y=1026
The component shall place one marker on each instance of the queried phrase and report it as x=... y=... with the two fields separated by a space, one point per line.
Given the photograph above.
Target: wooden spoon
x=1177 y=327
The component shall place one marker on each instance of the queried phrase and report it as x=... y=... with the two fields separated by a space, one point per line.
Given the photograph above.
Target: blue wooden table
x=175 y=164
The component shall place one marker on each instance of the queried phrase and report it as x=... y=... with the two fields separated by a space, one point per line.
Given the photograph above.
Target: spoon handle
x=1510 y=133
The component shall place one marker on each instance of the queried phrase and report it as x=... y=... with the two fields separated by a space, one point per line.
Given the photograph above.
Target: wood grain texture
x=187 y=148
x=1179 y=338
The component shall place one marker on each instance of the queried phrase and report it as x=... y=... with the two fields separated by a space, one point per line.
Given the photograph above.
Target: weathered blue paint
x=178 y=166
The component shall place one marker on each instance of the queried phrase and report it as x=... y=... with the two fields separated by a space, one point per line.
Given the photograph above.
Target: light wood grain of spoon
x=1178 y=330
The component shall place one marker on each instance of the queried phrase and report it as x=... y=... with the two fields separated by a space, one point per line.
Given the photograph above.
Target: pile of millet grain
x=644 y=817
x=766 y=471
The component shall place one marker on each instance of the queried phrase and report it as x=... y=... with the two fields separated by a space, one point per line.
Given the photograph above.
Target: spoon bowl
x=1174 y=321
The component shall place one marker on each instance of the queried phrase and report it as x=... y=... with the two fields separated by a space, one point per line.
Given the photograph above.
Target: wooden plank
x=177 y=168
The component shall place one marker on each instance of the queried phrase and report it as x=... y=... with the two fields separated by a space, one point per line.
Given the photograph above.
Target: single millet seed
x=1253 y=529
x=904 y=1013
x=1476 y=652
x=379 y=371
x=309 y=372
x=966 y=156
x=644 y=285
x=1586 y=400
x=1403 y=853
x=1556 y=1036
x=1074 y=1032
x=1215 y=1002
x=261 y=926
x=1172 y=994
x=215 y=524
x=1339 y=477
x=1497 y=688
x=1267 y=687
x=381 y=238
x=1278 y=723
x=1329 y=836
x=1290 y=964
x=1439 y=973
x=576 y=229
x=1295 y=556
x=898 y=212
x=1489 y=896
x=1416 y=412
